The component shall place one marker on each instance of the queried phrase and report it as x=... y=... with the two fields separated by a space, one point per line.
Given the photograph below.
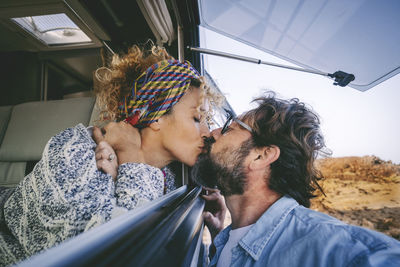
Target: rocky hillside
x=364 y=191
x=368 y=168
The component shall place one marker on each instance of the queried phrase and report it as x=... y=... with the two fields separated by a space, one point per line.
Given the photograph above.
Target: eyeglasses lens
x=227 y=123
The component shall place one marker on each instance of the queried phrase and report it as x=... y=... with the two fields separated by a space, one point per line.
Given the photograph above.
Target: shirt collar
x=258 y=236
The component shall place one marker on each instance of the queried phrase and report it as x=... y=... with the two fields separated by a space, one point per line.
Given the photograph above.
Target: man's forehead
x=235 y=125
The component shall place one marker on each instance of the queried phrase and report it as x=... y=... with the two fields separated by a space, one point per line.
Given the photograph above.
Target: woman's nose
x=204 y=131
x=216 y=133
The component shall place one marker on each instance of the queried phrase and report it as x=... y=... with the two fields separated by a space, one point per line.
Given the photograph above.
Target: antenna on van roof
x=341 y=78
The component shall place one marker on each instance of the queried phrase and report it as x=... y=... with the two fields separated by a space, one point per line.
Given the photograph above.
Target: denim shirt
x=288 y=234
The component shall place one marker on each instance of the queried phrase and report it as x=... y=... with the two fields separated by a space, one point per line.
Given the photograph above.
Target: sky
x=354 y=123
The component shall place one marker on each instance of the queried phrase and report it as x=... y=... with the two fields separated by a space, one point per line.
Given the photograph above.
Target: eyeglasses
x=231 y=118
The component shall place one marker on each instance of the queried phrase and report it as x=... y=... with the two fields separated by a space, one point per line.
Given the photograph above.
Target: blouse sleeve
x=138 y=183
x=65 y=194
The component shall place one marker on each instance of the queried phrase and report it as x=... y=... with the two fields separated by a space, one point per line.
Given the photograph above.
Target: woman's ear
x=263 y=157
x=155 y=126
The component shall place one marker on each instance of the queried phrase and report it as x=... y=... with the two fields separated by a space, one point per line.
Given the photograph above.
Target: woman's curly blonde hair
x=114 y=82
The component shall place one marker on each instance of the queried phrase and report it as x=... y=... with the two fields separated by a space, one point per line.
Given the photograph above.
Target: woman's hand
x=125 y=140
x=214 y=211
x=106 y=159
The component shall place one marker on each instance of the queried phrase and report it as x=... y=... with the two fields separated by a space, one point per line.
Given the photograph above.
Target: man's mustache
x=203 y=172
x=208 y=141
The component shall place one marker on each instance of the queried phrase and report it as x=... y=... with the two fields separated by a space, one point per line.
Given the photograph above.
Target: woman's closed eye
x=197 y=119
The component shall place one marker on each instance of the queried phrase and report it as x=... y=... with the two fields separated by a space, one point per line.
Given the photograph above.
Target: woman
x=66 y=194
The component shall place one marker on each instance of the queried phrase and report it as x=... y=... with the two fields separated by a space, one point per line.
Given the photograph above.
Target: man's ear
x=263 y=157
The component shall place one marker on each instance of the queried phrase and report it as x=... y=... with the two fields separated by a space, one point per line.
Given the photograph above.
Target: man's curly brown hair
x=295 y=129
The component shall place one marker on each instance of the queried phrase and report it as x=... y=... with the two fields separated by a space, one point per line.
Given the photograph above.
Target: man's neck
x=246 y=209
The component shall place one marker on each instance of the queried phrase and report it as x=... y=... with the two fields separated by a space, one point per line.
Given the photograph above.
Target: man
x=263 y=163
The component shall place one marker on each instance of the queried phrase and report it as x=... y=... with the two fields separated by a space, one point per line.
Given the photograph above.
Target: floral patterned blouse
x=66 y=194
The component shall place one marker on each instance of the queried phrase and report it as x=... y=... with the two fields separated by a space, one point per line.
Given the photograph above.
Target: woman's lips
x=203 y=149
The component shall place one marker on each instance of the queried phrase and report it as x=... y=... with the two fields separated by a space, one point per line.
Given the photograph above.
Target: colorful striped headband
x=156 y=91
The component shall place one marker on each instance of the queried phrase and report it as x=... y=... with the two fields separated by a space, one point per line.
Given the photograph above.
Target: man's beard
x=224 y=170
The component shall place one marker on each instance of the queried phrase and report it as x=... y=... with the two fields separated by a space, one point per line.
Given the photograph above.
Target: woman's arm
x=136 y=182
x=66 y=194
x=62 y=193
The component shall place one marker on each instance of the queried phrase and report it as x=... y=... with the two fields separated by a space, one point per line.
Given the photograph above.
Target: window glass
x=56 y=29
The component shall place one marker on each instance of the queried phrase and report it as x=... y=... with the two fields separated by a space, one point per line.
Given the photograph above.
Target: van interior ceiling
x=38 y=69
